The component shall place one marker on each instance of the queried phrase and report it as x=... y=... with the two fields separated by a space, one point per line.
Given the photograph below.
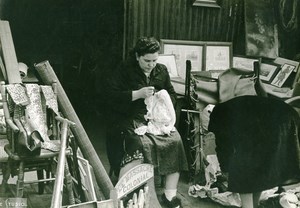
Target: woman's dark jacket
x=122 y=111
x=257 y=142
x=128 y=77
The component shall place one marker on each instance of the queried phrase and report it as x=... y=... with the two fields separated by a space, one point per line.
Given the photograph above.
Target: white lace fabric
x=160 y=115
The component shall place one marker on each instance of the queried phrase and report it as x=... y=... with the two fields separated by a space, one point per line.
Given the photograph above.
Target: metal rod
x=38 y=181
x=58 y=185
x=48 y=75
x=190 y=111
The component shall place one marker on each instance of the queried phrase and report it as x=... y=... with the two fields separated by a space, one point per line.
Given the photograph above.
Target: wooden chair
x=19 y=163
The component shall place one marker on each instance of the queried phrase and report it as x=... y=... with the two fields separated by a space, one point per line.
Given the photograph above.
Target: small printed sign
x=134 y=178
x=13 y=202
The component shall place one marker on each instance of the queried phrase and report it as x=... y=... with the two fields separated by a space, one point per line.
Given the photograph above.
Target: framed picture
x=267 y=72
x=260 y=27
x=206 y=3
x=218 y=55
x=296 y=71
x=282 y=75
x=244 y=63
x=169 y=61
x=184 y=50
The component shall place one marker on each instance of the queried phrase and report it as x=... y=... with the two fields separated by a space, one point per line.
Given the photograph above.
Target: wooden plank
x=9 y=54
x=3 y=70
x=48 y=75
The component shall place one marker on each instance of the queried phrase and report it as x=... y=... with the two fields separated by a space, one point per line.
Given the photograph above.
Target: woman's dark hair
x=146 y=45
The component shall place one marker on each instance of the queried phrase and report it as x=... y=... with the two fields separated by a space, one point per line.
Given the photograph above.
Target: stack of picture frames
x=204 y=56
x=279 y=73
x=214 y=57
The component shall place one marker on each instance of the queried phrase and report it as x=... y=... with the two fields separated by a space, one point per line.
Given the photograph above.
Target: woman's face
x=148 y=61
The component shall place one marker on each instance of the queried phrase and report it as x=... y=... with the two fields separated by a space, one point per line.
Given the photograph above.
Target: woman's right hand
x=143 y=93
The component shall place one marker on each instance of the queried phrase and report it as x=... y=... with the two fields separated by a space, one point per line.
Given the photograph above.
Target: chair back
x=29 y=111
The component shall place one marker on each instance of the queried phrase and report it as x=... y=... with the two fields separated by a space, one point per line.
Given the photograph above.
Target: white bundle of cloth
x=160 y=115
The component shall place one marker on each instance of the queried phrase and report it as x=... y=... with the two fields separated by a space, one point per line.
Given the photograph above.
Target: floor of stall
x=95 y=128
x=94 y=123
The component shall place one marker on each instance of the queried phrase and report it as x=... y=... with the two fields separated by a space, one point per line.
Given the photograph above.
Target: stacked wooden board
x=8 y=60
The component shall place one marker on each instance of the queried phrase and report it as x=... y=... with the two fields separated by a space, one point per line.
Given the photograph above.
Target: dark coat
x=257 y=142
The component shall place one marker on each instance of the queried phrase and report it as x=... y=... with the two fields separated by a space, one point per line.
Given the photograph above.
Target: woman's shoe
x=174 y=203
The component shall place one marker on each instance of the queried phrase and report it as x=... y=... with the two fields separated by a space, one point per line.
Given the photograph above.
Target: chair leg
x=6 y=171
x=20 y=182
x=41 y=185
x=69 y=184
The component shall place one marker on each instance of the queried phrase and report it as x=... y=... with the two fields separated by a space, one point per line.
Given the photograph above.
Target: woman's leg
x=172 y=181
x=247 y=200
x=169 y=196
x=250 y=200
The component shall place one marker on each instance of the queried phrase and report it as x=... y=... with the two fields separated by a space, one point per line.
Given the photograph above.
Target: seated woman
x=137 y=79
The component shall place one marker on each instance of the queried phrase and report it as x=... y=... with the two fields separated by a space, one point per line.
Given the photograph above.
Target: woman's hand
x=143 y=93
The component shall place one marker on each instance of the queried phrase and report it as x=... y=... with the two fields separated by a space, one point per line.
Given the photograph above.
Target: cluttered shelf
x=279 y=78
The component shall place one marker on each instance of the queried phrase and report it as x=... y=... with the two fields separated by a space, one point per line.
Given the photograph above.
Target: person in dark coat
x=257 y=144
x=136 y=79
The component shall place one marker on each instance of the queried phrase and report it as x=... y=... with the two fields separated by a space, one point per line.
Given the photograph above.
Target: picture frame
x=204 y=56
x=283 y=75
x=218 y=55
x=267 y=72
x=281 y=61
x=169 y=61
x=206 y=3
x=184 y=50
x=244 y=62
x=261 y=35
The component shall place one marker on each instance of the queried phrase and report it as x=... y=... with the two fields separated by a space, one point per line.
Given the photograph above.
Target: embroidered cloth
x=160 y=115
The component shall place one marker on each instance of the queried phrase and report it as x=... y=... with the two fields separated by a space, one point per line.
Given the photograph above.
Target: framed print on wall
x=267 y=72
x=282 y=75
x=184 y=50
x=218 y=56
x=206 y=3
x=261 y=29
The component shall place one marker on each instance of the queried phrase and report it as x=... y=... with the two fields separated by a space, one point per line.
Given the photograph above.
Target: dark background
x=84 y=39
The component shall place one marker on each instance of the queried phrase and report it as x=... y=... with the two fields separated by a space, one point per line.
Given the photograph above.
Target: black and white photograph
x=149 y=104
